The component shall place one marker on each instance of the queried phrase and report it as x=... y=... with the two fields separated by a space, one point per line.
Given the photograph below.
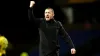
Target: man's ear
x=53 y=14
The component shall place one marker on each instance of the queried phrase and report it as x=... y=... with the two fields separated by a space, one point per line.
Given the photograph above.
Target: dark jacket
x=49 y=32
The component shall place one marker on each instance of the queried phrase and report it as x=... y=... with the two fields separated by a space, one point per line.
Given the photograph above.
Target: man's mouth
x=47 y=16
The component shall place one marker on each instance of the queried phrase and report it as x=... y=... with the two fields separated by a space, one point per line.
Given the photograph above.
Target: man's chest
x=49 y=27
x=49 y=31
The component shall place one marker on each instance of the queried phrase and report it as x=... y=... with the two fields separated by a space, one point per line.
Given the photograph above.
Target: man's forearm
x=67 y=38
x=31 y=14
x=69 y=41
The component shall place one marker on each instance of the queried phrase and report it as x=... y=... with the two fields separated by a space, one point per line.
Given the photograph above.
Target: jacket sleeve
x=32 y=18
x=65 y=35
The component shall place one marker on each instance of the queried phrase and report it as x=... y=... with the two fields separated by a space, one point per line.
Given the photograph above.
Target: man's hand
x=73 y=51
x=32 y=3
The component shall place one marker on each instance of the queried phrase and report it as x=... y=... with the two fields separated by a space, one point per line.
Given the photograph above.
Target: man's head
x=49 y=14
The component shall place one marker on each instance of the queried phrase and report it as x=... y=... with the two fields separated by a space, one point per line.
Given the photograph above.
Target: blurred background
x=80 y=18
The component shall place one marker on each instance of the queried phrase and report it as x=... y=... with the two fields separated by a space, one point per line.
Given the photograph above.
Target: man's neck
x=50 y=20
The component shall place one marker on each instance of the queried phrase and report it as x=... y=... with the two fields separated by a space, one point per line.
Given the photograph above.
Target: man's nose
x=47 y=13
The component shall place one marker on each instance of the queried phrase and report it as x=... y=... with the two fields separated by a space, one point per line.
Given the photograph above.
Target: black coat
x=49 y=32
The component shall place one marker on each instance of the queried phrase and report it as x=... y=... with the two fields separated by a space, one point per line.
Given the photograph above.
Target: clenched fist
x=32 y=3
x=73 y=51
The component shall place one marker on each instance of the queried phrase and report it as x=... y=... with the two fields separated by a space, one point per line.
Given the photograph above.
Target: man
x=3 y=45
x=49 y=29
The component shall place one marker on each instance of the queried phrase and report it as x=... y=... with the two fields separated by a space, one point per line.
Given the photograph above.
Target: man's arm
x=31 y=14
x=67 y=38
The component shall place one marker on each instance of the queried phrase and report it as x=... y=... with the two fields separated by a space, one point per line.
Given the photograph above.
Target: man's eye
x=47 y=12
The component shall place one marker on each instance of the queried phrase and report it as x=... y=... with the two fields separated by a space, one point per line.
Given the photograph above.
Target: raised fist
x=32 y=3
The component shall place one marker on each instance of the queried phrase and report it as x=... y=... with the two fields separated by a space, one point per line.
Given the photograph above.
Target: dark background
x=23 y=34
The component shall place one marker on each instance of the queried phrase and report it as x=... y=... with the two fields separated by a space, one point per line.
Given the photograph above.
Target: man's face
x=49 y=14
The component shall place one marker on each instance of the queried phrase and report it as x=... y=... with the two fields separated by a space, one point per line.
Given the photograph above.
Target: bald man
x=49 y=29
